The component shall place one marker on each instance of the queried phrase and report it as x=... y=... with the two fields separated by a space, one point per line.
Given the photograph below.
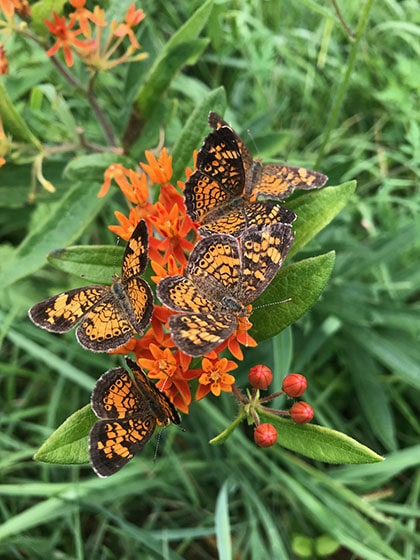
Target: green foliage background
x=311 y=95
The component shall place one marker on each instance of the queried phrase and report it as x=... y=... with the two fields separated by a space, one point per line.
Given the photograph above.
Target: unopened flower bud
x=301 y=412
x=260 y=377
x=265 y=435
x=294 y=385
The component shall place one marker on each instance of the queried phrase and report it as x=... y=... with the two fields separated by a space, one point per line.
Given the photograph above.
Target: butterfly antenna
x=114 y=264
x=157 y=446
x=272 y=303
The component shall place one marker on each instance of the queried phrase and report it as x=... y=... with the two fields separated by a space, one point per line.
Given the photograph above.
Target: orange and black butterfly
x=128 y=409
x=108 y=316
x=221 y=195
x=224 y=275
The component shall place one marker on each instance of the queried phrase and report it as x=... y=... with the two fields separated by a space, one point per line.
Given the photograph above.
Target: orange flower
x=66 y=39
x=171 y=269
x=168 y=368
x=159 y=170
x=168 y=196
x=132 y=18
x=127 y=225
x=82 y=15
x=215 y=377
x=241 y=336
x=174 y=226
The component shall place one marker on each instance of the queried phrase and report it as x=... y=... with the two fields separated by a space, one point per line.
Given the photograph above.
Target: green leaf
x=163 y=71
x=302 y=282
x=13 y=122
x=95 y=263
x=195 y=129
x=319 y=443
x=68 y=444
x=44 y=10
x=316 y=209
x=63 y=225
x=183 y=48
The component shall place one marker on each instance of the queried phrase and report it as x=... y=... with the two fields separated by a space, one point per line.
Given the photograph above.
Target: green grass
x=310 y=95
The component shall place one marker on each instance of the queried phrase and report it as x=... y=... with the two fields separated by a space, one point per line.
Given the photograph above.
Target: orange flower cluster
x=95 y=50
x=172 y=235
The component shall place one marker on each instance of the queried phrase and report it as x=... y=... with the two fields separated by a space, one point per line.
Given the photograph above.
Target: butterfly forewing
x=136 y=252
x=62 y=312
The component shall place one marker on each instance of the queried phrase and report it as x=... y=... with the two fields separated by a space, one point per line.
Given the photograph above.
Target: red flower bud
x=260 y=377
x=301 y=412
x=265 y=435
x=294 y=385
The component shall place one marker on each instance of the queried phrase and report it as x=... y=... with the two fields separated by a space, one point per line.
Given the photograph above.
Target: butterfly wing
x=199 y=333
x=64 y=311
x=216 y=122
x=136 y=252
x=125 y=424
x=112 y=443
x=279 y=181
x=159 y=403
x=263 y=252
x=140 y=303
x=106 y=326
x=214 y=266
x=180 y=294
x=236 y=218
x=220 y=175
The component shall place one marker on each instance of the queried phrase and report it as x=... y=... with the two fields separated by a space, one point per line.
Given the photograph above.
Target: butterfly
x=128 y=408
x=224 y=275
x=108 y=316
x=221 y=195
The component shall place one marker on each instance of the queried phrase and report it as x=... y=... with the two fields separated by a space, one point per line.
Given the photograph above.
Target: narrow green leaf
x=392 y=353
x=371 y=394
x=68 y=444
x=13 y=122
x=95 y=263
x=222 y=524
x=302 y=282
x=163 y=71
x=195 y=129
x=316 y=209
x=63 y=225
x=178 y=51
x=320 y=443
